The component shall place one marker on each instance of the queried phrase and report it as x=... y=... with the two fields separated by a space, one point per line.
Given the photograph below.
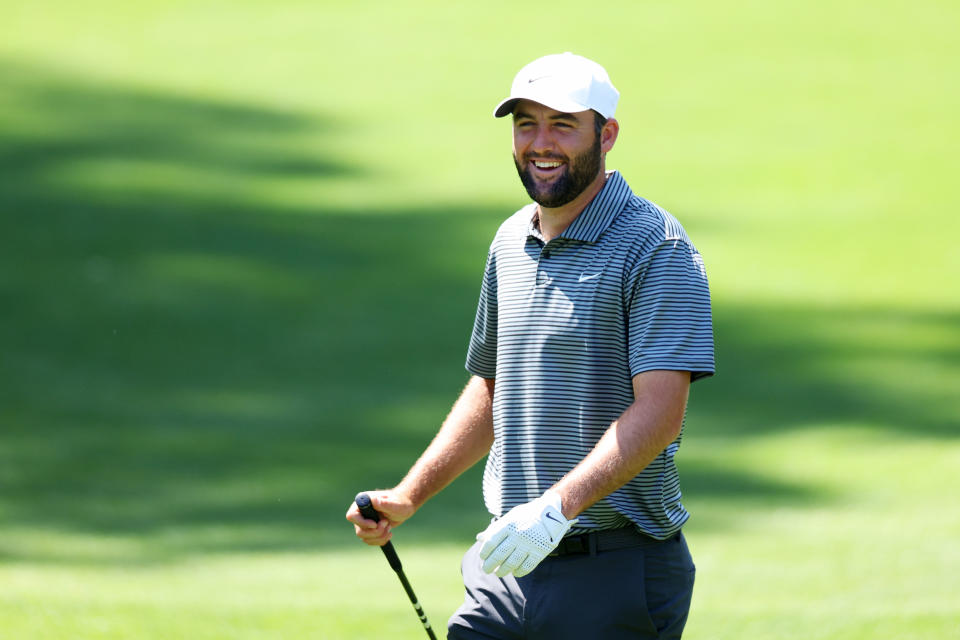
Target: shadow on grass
x=207 y=375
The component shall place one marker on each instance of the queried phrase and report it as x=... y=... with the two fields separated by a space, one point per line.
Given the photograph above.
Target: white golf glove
x=524 y=536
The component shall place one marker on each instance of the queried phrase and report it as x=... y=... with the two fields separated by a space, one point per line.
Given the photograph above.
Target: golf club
x=368 y=512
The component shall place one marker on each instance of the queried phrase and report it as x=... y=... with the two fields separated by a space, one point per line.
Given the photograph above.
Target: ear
x=608 y=135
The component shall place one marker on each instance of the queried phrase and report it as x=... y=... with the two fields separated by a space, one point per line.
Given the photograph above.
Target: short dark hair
x=598 y=122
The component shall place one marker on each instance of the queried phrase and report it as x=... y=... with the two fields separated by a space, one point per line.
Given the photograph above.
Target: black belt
x=606 y=540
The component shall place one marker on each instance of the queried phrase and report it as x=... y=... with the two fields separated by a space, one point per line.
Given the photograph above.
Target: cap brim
x=506 y=106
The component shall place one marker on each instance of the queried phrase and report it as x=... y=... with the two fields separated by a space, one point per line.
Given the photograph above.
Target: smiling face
x=557 y=155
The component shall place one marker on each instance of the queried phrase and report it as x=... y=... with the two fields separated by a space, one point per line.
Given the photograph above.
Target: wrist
x=553 y=498
x=408 y=495
x=564 y=503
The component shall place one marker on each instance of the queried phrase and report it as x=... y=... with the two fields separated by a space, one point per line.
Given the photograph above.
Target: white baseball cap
x=564 y=82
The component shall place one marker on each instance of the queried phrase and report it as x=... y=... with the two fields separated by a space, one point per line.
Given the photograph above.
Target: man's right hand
x=393 y=508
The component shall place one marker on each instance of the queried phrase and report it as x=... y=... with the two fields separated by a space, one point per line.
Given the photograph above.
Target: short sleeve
x=482 y=353
x=669 y=320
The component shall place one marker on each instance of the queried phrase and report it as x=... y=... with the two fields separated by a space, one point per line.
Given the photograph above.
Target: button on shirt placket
x=543 y=274
x=542 y=277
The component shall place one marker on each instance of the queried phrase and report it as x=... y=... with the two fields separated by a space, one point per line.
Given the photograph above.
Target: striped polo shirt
x=564 y=326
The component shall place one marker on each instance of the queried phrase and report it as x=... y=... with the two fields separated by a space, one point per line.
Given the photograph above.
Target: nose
x=542 y=141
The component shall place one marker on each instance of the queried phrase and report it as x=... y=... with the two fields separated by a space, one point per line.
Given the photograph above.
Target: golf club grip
x=366 y=507
x=368 y=512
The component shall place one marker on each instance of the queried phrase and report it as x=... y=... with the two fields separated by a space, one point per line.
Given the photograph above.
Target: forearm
x=631 y=443
x=464 y=438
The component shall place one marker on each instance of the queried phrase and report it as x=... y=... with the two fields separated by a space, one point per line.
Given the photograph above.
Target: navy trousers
x=637 y=593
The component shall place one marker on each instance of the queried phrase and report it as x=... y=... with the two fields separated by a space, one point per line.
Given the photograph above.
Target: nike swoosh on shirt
x=584 y=277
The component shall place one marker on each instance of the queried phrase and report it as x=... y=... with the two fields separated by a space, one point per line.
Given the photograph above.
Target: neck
x=554 y=220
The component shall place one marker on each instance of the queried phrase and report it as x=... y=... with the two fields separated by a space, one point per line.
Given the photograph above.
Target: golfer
x=593 y=320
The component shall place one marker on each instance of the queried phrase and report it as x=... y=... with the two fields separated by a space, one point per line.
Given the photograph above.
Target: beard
x=577 y=175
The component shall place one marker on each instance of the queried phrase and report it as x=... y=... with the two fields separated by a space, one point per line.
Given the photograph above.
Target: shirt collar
x=598 y=214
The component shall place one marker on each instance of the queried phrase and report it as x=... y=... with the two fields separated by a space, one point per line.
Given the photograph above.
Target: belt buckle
x=581 y=543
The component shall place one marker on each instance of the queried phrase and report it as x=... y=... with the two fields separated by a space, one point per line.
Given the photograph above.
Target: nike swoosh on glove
x=517 y=542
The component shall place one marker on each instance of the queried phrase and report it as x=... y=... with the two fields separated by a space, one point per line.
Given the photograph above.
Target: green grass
x=240 y=249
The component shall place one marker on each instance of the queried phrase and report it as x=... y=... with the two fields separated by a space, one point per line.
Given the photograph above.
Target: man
x=594 y=317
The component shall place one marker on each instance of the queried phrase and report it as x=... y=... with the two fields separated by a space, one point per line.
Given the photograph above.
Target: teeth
x=546 y=165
